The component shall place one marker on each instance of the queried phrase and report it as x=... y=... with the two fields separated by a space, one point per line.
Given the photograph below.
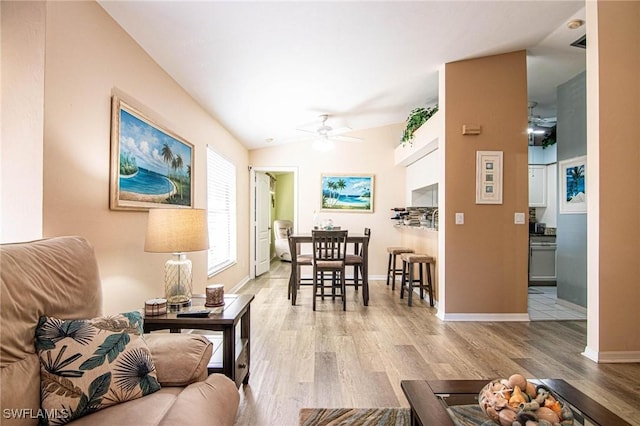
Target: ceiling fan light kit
x=323 y=145
x=541 y=130
x=324 y=136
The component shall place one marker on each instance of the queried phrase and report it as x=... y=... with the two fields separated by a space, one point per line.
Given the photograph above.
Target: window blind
x=221 y=211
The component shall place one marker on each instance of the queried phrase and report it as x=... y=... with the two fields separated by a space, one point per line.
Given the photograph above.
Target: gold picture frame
x=150 y=166
x=347 y=193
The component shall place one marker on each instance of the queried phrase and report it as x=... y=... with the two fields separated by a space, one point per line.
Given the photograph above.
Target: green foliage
x=550 y=138
x=417 y=117
x=128 y=165
x=109 y=349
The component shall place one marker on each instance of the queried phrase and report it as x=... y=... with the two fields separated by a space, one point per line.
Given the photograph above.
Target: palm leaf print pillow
x=87 y=365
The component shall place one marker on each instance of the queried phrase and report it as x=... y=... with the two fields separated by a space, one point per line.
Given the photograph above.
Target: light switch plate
x=459 y=218
x=518 y=218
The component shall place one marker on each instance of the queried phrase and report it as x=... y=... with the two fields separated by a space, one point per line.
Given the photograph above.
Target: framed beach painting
x=150 y=166
x=573 y=185
x=488 y=177
x=347 y=193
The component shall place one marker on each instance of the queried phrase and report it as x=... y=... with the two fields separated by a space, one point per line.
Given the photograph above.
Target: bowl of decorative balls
x=517 y=402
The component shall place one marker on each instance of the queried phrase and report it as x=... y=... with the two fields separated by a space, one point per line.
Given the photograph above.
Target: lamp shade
x=176 y=231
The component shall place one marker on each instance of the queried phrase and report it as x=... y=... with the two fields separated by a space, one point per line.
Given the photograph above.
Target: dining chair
x=329 y=256
x=300 y=260
x=356 y=261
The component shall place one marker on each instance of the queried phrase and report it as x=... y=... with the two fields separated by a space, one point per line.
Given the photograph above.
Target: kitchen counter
x=542 y=237
x=425 y=228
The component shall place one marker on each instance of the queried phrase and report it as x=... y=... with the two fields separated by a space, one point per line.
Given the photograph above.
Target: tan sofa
x=58 y=277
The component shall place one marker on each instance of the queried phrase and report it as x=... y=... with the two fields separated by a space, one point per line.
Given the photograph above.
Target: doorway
x=273 y=196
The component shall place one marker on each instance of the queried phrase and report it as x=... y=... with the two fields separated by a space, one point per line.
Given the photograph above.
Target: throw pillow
x=87 y=365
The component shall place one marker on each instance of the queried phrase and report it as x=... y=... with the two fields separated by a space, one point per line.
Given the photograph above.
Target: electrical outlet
x=459 y=218
x=518 y=218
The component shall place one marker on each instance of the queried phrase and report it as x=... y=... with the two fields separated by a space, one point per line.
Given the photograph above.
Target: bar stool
x=408 y=278
x=392 y=270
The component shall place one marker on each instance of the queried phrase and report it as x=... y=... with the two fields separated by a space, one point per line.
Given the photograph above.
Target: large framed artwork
x=489 y=177
x=573 y=185
x=348 y=193
x=150 y=166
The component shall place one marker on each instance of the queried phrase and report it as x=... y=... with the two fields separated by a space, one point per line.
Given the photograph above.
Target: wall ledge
x=425 y=141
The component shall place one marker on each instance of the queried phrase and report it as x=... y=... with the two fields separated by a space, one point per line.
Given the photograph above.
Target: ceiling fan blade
x=345 y=138
x=339 y=131
x=322 y=129
x=315 y=132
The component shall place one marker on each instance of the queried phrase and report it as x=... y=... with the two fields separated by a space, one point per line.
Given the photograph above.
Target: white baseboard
x=241 y=284
x=377 y=278
x=610 y=357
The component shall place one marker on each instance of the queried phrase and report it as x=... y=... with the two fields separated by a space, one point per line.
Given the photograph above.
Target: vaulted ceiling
x=266 y=69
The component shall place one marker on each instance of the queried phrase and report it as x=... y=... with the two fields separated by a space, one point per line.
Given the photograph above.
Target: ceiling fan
x=539 y=128
x=324 y=135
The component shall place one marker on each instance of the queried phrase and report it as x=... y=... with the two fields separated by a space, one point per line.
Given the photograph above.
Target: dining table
x=357 y=240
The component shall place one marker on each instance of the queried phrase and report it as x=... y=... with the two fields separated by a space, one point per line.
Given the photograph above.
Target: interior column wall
x=613 y=178
x=487 y=255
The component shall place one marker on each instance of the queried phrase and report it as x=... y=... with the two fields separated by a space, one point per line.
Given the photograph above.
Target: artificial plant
x=417 y=117
x=549 y=138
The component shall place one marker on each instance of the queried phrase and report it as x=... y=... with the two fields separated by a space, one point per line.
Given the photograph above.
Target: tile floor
x=543 y=306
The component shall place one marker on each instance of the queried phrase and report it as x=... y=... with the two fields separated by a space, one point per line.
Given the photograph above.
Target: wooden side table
x=236 y=357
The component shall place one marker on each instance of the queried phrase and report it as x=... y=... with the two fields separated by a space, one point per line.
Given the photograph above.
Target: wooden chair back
x=329 y=245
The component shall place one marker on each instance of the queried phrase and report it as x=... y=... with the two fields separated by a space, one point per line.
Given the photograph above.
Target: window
x=221 y=211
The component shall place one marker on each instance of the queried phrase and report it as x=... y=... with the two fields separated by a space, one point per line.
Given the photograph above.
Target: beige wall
x=372 y=156
x=23 y=39
x=613 y=178
x=87 y=56
x=487 y=256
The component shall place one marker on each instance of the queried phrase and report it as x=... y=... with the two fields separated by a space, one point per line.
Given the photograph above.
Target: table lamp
x=177 y=231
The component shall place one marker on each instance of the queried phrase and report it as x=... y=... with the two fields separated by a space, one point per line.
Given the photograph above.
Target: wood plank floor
x=330 y=358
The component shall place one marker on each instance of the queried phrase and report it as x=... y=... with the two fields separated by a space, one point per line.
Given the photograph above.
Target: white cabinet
x=537 y=186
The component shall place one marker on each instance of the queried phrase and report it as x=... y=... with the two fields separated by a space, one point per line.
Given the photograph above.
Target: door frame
x=252 y=207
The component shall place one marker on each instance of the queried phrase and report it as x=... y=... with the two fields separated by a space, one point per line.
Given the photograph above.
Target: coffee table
x=429 y=400
x=235 y=352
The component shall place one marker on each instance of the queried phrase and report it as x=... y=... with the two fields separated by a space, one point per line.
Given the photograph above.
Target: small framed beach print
x=489 y=177
x=347 y=193
x=573 y=185
x=150 y=166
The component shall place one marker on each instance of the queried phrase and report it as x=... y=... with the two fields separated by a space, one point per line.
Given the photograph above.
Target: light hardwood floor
x=330 y=358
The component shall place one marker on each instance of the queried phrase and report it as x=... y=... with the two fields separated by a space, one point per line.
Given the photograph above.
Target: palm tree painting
x=150 y=165
x=575 y=183
x=573 y=198
x=347 y=193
